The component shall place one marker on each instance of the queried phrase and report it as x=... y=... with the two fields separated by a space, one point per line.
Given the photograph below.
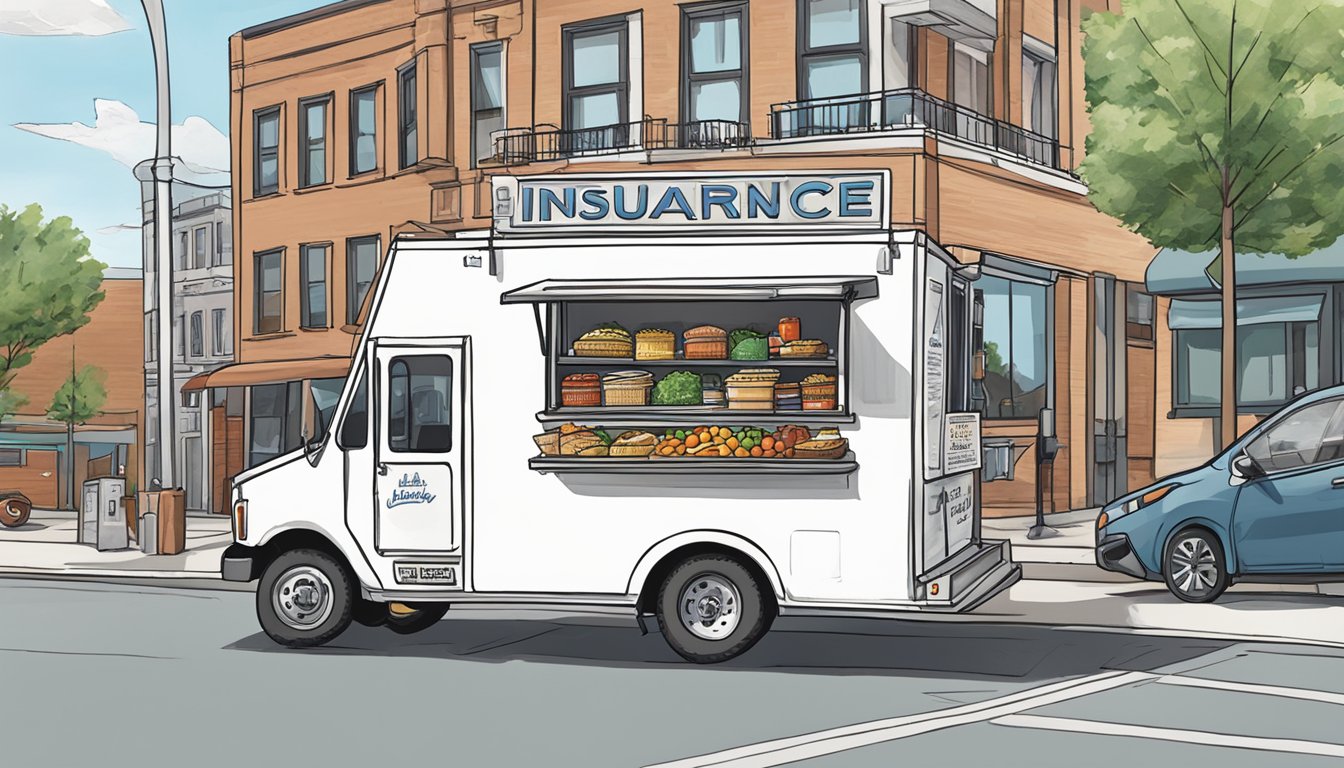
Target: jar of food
x=790 y=329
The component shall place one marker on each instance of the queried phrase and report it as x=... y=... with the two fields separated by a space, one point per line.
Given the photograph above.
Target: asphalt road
x=97 y=674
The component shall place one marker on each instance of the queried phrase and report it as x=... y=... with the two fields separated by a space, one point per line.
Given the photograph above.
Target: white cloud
x=59 y=17
x=201 y=151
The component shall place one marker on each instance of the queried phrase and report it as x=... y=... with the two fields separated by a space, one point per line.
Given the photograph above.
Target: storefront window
x=1016 y=353
x=713 y=44
x=1275 y=362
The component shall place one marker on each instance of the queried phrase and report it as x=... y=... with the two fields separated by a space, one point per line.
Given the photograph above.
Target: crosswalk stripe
x=1204 y=738
x=795 y=748
x=1306 y=694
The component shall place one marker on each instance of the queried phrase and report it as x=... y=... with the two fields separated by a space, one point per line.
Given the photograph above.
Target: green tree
x=48 y=286
x=10 y=403
x=1216 y=125
x=79 y=399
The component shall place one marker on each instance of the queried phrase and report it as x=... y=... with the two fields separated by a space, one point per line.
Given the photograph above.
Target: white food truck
x=790 y=435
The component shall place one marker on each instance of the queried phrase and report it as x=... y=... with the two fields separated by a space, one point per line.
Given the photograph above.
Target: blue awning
x=1173 y=273
x=1187 y=314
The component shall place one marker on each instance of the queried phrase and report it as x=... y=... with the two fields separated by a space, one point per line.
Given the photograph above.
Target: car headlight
x=1134 y=505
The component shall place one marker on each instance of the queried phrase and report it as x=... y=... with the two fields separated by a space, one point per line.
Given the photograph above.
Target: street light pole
x=163 y=241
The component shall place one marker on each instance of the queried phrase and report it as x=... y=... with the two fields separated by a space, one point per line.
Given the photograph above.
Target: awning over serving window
x=269 y=372
x=1188 y=314
x=695 y=289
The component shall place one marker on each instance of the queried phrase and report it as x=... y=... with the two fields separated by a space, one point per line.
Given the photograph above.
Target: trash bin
x=172 y=521
x=147 y=531
x=102 y=516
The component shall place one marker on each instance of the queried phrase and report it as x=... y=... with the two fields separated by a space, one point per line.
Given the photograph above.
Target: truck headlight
x=1134 y=505
x=240 y=520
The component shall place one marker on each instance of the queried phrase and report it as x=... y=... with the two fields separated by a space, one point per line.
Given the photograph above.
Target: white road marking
x=1097 y=728
x=795 y=748
x=1325 y=697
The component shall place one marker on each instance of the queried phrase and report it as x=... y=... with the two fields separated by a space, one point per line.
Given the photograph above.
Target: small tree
x=48 y=286
x=1216 y=124
x=79 y=399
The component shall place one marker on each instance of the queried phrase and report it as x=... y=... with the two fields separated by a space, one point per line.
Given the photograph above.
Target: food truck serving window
x=735 y=372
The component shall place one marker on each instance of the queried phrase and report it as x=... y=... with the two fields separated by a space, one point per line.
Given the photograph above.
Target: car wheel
x=304 y=599
x=711 y=608
x=1193 y=566
x=409 y=619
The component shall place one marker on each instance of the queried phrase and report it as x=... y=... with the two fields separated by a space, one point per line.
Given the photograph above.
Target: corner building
x=366 y=119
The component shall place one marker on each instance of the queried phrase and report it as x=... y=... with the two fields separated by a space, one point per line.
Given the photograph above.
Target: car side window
x=1308 y=436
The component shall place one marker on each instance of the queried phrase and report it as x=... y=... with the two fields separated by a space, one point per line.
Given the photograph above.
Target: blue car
x=1270 y=508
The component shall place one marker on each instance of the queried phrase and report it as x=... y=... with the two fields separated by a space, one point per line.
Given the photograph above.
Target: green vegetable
x=681 y=434
x=748 y=344
x=603 y=436
x=678 y=388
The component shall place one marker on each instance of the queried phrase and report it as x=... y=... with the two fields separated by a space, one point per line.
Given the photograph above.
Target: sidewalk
x=1069 y=556
x=47 y=544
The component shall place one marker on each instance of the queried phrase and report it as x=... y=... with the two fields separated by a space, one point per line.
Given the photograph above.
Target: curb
x=166 y=579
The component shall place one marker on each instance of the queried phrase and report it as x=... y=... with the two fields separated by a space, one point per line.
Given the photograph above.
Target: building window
x=361 y=263
x=970 y=79
x=407 y=126
x=487 y=98
x=1015 y=349
x=220 y=257
x=714 y=47
x=200 y=241
x=270 y=291
x=1140 y=314
x=596 y=84
x=363 y=130
x=274 y=427
x=313 y=141
x=1039 y=94
x=219 y=338
x=901 y=56
x=197 y=334
x=1278 y=351
x=419 y=404
x=179 y=333
x=313 y=277
x=266 y=153
x=11 y=457
x=183 y=246
x=833 y=46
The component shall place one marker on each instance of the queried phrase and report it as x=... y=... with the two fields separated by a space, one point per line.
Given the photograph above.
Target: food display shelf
x=690 y=416
x=681 y=362
x=684 y=465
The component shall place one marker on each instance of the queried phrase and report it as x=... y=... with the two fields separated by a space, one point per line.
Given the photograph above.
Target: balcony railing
x=515 y=146
x=908 y=108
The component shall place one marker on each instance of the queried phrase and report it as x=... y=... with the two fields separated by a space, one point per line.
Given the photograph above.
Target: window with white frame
x=220 y=333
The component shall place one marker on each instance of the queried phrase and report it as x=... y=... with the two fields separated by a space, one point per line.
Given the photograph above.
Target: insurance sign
x=705 y=201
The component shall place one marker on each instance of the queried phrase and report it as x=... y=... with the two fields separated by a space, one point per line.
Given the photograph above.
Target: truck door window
x=355 y=428
x=419 y=404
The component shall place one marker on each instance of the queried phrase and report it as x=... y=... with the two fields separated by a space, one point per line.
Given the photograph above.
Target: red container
x=790 y=329
x=581 y=390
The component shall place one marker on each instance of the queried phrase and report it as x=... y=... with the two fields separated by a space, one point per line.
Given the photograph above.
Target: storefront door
x=1109 y=392
x=420 y=444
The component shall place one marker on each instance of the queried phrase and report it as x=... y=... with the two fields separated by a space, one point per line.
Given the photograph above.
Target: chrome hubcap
x=710 y=607
x=302 y=597
x=1194 y=568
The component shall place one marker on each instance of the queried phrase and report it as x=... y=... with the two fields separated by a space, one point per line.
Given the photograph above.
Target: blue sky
x=55 y=79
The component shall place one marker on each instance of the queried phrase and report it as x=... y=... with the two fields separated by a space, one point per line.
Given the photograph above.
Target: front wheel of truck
x=305 y=598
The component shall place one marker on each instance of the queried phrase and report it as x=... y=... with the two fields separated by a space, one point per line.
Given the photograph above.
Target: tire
x=369 y=613
x=305 y=598
x=1193 y=566
x=711 y=609
x=423 y=617
x=14 y=511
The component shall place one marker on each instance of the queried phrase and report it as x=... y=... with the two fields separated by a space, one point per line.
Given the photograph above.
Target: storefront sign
x=850 y=201
x=961 y=442
x=949 y=517
x=934 y=369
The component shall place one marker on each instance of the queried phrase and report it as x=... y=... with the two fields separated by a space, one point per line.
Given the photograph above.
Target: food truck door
x=420 y=443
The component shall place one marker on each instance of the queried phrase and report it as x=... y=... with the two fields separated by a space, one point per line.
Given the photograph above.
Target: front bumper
x=238 y=563
x=1114 y=553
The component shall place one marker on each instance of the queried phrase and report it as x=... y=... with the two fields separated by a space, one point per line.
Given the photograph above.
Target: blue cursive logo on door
x=410 y=490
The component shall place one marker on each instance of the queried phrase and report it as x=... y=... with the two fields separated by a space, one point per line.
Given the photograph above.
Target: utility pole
x=163 y=242
x=70 y=438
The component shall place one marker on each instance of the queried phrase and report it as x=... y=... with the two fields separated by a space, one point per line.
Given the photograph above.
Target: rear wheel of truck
x=409 y=619
x=711 y=608
x=305 y=598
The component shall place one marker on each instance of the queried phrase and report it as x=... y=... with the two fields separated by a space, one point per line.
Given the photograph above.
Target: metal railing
x=516 y=146
x=908 y=108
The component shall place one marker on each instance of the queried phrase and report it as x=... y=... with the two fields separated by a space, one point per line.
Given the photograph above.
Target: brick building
x=365 y=119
